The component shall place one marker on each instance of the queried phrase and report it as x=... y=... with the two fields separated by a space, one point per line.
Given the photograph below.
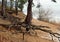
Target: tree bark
x=16 y=6
x=5 y=4
x=29 y=12
x=3 y=8
x=11 y=4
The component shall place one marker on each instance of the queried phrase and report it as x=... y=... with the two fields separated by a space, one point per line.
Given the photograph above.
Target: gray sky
x=47 y=4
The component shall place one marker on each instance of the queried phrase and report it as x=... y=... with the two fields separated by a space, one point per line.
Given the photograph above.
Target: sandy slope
x=52 y=27
x=8 y=36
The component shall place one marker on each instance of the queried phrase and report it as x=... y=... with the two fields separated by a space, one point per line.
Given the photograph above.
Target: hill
x=13 y=36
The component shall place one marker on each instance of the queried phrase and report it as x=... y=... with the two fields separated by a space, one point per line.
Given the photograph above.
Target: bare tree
x=45 y=15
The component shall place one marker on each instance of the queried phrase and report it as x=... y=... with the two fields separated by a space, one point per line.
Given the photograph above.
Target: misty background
x=46 y=5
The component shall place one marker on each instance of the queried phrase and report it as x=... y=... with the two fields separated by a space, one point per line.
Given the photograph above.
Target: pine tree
x=54 y=0
x=29 y=14
x=21 y=3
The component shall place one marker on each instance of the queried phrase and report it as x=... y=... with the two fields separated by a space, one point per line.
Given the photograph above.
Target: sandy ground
x=12 y=36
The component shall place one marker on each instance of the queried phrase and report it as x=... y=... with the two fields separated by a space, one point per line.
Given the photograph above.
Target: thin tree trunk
x=5 y=4
x=16 y=6
x=29 y=12
x=11 y=4
x=3 y=8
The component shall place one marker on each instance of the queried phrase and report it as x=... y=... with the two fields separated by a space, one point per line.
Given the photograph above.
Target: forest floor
x=13 y=36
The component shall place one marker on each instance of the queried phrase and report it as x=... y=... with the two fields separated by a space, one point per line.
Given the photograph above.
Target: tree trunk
x=29 y=12
x=3 y=8
x=5 y=4
x=11 y=4
x=16 y=6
